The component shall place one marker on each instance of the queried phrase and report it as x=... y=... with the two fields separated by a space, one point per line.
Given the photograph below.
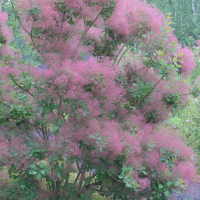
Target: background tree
x=187 y=119
x=26 y=53
x=185 y=15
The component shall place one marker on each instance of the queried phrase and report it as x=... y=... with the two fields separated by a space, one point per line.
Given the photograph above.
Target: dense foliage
x=187 y=120
x=99 y=117
x=185 y=18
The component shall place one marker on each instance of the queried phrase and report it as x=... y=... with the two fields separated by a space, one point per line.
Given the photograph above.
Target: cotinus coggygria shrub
x=86 y=126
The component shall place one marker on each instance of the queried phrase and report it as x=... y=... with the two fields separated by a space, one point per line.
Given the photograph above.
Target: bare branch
x=119 y=53
x=80 y=171
x=34 y=42
x=78 y=165
x=127 y=49
x=24 y=89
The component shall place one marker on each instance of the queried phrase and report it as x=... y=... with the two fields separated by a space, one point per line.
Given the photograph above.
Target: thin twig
x=60 y=29
x=141 y=68
x=89 y=185
x=24 y=89
x=149 y=66
x=153 y=87
x=192 y=92
x=106 y=51
x=127 y=50
x=119 y=53
x=34 y=42
x=20 y=21
x=33 y=125
x=87 y=31
x=60 y=104
x=79 y=173
x=81 y=182
x=78 y=165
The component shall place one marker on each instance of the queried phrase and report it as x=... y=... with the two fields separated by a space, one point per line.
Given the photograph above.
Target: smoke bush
x=94 y=118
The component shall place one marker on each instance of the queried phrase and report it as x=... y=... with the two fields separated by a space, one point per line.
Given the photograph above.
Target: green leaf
x=60 y=122
x=180 y=54
x=42 y=165
x=55 y=128
x=144 y=172
x=22 y=186
x=162 y=158
x=168 y=173
x=71 y=22
x=133 y=132
x=112 y=115
x=169 y=183
x=179 y=66
x=34 y=172
x=175 y=59
x=152 y=145
x=72 y=10
x=130 y=167
x=175 y=183
x=100 y=149
x=99 y=138
x=177 y=191
x=59 y=176
x=32 y=166
x=39 y=176
x=167 y=194
x=154 y=186
x=120 y=176
x=174 y=43
x=42 y=172
x=160 y=186
x=154 y=192
x=149 y=149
